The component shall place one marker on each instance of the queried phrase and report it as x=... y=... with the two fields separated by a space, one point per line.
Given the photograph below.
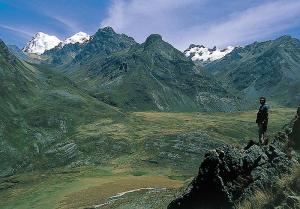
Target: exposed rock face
x=62 y=153
x=229 y=175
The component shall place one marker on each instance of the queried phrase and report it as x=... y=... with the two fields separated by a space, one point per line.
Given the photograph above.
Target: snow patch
x=40 y=43
x=80 y=37
x=204 y=54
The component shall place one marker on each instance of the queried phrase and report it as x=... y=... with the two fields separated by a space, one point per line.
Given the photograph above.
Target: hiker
x=262 y=120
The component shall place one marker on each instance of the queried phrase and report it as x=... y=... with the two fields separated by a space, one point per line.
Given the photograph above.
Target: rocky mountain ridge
x=148 y=76
x=270 y=68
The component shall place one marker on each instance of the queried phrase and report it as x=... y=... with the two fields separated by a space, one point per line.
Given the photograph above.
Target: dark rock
x=250 y=144
x=293 y=201
x=194 y=45
x=213 y=49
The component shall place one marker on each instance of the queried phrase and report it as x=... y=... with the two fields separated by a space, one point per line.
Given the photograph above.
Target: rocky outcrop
x=229 y=175
x=61 y=153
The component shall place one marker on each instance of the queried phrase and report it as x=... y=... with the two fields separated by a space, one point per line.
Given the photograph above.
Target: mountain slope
x=151 y=76
x=37 y=117
x=17 y=81
x=270 y=68
x=62 y=55
x=18 y=53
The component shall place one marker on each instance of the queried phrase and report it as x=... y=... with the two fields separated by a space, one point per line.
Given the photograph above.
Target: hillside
x=270 y=68
x=37 y=114
x=18 y=53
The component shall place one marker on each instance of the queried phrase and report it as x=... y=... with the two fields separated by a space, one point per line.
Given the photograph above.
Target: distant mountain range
x=42 y=43
x=268 y=68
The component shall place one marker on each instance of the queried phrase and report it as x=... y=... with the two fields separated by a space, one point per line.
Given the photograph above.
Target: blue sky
x=180 y=22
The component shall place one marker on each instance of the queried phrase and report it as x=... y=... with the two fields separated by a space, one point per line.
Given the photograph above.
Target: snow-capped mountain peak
x=205 y=55
x=80 y=37
x=40 y=43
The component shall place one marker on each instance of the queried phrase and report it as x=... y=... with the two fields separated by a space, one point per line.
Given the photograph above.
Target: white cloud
x=172 y=19
x=249 y=25
x=70 y=25
x=140 y=18
x=21 y=32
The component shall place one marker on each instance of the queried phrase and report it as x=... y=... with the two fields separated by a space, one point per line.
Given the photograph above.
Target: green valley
x=115 y=124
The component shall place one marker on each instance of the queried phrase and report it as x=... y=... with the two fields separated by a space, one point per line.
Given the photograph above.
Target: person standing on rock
x=262 y=120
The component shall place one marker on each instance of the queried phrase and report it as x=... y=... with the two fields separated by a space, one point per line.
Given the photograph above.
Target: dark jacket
x=262 y=114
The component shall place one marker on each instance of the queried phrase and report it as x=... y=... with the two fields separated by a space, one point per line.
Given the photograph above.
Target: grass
x=75 y=188
x=287 y=186
x=258 y=201
x=122 y=143
x=231 y=127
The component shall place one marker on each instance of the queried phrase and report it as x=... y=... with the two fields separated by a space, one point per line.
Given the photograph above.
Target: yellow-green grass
x=75 y=188
x=234 y=127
